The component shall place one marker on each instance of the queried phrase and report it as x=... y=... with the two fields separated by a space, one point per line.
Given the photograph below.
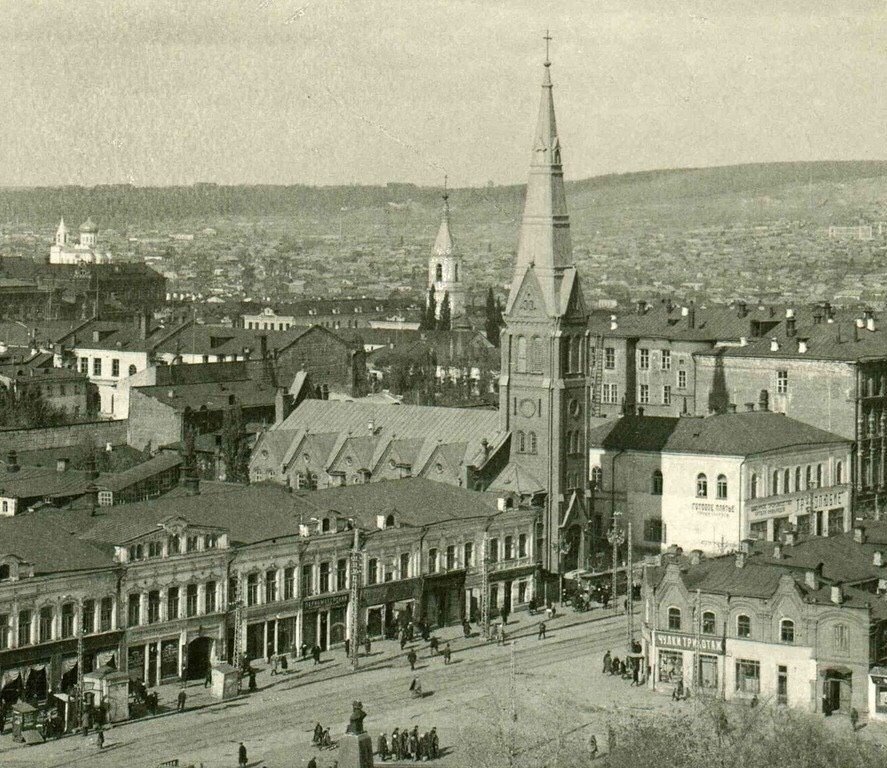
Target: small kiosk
x=110 y=690
x=24 y=723
x=225 y=681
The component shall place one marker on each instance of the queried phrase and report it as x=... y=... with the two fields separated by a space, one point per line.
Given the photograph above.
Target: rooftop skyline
x=329 y=92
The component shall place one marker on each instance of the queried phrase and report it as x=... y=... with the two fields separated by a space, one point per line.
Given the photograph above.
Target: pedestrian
x=466 y=628
x=318 y=732
x=100 y=739
x=636 y=672
x=414 y=742
x=241 y=755
x=404 y=744
x=367 y=645
x=678 y=692
x=252 y=680
x=531 y=606
x=395 y=744
x=347 y=648
x=416 y=688
x=447 y=653
x=435 y=744
x=541 y=635
x=152 y=702
x=403 y=640
x=608 y=661
x=208 y=677
x=614 y=666
x=303 y=650
x=181 y=698
x=854 y=718
x=315 y=654
x=411 y=657
x=504 y=613
x=592 y=747
x=382 y=747
x=433 y=645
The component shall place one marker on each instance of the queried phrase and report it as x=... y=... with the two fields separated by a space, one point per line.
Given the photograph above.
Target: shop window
x=674 y=619
x=743 y=626
x=671 y=666
x=657 y=483
x=521 y=592
x=748 y=676
x=787 y=631
x=708 y=623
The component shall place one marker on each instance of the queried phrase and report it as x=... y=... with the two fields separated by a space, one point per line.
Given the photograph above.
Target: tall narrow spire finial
x=547 y=38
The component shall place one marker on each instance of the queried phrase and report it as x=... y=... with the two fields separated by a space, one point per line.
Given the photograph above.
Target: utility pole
x=354 y=598
x=629 y=578
x=485 y=587
x=512 y=752
x=616 y=537
x=78 y=704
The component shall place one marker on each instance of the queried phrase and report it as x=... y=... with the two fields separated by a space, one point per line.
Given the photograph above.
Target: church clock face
x=527 y=408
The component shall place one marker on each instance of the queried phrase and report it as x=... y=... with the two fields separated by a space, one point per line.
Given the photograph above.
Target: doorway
x=836 y=691
x=199 y=652
x=324 y=625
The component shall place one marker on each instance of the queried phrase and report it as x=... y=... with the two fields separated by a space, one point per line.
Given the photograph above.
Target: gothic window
x=438 y=273
x=537 y=361
x=577 y=354
x=657 y=483
x=521 y=354
x=787 y=631
x=708 y=623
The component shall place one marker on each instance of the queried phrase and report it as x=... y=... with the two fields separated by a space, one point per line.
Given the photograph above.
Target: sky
x=167 y=92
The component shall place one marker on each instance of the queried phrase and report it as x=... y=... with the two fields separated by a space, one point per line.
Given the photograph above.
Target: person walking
x=411 y=657
x=635 y=672
x=403 y=640
x=395 y=744
x=466 y=629
x=504 y=613
x=318 y=732
x=541 y=635
x=608 y=660
x=312 y=763
x=208 y=677
x=592 y=747
x=614 y=666
x=252 y=680
x=315 y=654
x=433 y=645
x=854 y=718
x=100 y=739
x=382 y=747
x=434 y=744
x=367 y=645
x=347 y=647
x=414 y=742
x=404 y=744
x=181 y=700
x=447 y=653
x=241 y=755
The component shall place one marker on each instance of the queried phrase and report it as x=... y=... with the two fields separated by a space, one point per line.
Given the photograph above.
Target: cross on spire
x=547 y=38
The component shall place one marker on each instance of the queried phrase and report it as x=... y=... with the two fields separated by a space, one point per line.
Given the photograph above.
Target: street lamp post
x=615 y=536
x=354 y=598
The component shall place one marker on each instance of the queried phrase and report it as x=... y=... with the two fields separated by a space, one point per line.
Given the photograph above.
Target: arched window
x=708 y=623
x=657 y=483
x=809 y=477
x=819 y=475
x=722 y=486
x=839 y=473
x=701 y=486
x=787 y=631
x=325 y=525
x=531 y=442
x=521 y=354
x=537 y=354
x=438 y=273
x=389 y=521
x=596 y=477
x=674 y=618
x=577 y=354
x=786 y=481
x=754 y=486
x=132 y=370
x=797 y=479
x=774 y=488
x=521 y=442
x=743 y=625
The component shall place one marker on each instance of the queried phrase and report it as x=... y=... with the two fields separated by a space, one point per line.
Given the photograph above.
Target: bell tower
x=445 y=266
x=544 y=394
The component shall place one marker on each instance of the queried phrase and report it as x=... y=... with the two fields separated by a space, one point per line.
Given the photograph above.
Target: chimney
x=837 y=594
x=695 y=556
x=263 y=346
x=640 y=307
x=774 y=344
x=743 y=341
x=741 y=558
x=859 y=533
x=860 y=323
x=91 y=472
x=749 y=406
x=613 y=324
x=813 y=578
x=856 y=328
x=191 y=482
x=96 y=336
x=790 y=327
x=12 y=462
x=61 y=465
x=731 y=407
x=92 y=496
x=486 y=447
x=741 y=309
x=789 y=313
x=144 y=324
x=764 y=400
x=371 y=427
x=878 y=558
x=802 y=346
x=691 y=316
x=870 y=324
x=817 y=316
x=380 y=522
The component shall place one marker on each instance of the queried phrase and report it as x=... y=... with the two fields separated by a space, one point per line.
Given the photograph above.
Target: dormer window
x=154 y=549
x=173 y=546
x=211 y=541
x=191 y=543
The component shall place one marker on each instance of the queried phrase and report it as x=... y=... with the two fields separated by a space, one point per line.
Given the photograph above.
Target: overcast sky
x=366 y=91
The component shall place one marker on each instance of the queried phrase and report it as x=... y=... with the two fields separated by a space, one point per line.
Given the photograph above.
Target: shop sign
x=712 y=509
x=321 y=603
x=689 y=642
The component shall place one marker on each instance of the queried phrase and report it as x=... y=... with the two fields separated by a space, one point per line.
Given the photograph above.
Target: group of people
x=409 y=745
x=321 y=738
x=629 y=668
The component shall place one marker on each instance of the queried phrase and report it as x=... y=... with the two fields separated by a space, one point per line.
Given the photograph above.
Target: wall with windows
x=107 y=368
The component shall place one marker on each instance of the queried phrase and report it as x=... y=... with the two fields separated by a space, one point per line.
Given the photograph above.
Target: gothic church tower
x=445 y=268
x=544 y=392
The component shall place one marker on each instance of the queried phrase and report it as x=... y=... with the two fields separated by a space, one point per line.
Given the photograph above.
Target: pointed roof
x=89 y=226
x=62 y=228
x=544 y=243
x=443 y=244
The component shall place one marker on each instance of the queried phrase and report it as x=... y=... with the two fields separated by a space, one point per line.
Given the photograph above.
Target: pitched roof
x=50 y=548
x=730 y=434
x=212 y=396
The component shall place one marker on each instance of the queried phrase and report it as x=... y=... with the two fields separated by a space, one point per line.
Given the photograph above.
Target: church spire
x=545 y=229
x=443 y=244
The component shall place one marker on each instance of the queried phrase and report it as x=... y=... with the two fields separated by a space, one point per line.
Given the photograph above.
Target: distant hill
x=818 y=191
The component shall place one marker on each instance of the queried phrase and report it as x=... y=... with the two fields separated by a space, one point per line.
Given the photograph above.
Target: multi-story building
x=164 y=588
x=802 y=624
x=334 y=314
x=63 y=389
x=707 y=483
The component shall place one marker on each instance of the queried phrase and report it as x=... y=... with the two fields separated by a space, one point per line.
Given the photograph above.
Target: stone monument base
x=355 y=751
